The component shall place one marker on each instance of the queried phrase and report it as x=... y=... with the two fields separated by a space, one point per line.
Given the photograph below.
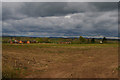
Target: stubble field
x=60 y=60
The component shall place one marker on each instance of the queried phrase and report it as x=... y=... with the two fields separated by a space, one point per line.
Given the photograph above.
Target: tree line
x=80 y=40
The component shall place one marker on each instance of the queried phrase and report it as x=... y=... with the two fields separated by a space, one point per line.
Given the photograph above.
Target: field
x=48 y=60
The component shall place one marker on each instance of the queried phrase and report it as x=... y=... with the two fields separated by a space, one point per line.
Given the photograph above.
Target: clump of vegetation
x=118 y=68
x=104 y=40
x=93 y=40
x=76 y=41
x=11 y=72
x=42 y=40
x=82 y=39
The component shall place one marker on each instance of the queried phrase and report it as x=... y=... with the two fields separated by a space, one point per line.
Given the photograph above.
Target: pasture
x=50 y=60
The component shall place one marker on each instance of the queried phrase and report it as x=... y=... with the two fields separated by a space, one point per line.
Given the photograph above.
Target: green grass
x=58 y=45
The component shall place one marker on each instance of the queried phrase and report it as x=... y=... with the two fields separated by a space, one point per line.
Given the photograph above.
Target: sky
x=41 y=19
x=60 y=0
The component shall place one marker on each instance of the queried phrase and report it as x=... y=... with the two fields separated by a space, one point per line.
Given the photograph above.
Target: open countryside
x=59 y=58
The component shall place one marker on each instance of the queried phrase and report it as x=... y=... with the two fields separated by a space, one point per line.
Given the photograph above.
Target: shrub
x=93 y=40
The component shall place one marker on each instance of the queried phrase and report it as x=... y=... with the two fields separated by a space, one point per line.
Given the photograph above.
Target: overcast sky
x=60 y=0
x=60 y=18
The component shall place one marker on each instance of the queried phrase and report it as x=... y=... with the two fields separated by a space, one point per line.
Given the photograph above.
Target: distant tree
x=18 y=38
x=88 y=41
x=45 y=40
x=75 y=41
x=69 y=40
x=82 y=39
x=60 y=39
x=40 y=40
x=23 y=38
x=104 y=40
x=93 y=40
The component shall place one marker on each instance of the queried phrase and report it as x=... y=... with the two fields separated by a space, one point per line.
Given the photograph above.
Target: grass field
x=60 y=60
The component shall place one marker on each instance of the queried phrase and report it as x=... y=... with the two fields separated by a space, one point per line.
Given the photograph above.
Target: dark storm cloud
x=0 y=19
x=105 y=6
x=12 y=11
x=60 y=19
x=30 y=9
x=44 y=9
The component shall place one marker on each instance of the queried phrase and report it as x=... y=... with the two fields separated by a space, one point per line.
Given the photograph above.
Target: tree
x=88 y=41
x=104 y=40
x=82 y=39
x=45 y=40
x=75 y=41
x=39 y=40
x=93 y=40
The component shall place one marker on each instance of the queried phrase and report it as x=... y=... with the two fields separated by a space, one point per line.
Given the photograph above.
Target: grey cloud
x=15 y=10
x=71 y=24
x=12 y=11
x=60 y=19
x=105 y=6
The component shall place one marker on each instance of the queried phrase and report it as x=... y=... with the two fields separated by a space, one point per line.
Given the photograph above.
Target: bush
x=92 y=40
x=76 y=41
x=104 y=40
x=82 y=40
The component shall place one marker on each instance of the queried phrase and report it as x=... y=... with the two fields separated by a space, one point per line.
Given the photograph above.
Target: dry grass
x=60 y=61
